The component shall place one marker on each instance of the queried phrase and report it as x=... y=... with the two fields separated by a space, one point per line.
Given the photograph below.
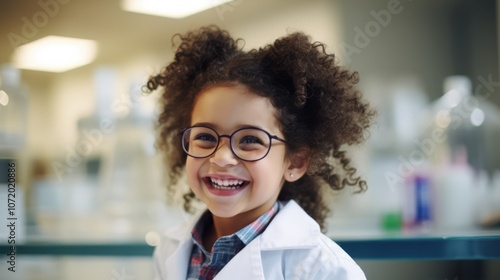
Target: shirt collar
x=251 y=231
x=246 y=234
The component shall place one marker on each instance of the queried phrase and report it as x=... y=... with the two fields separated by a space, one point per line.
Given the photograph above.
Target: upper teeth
x=226 y=183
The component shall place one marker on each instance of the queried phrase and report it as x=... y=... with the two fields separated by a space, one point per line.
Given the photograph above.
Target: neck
x=222 y=227
x=228 y=226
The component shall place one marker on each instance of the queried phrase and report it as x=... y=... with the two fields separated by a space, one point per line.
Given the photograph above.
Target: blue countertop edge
x=426 y=248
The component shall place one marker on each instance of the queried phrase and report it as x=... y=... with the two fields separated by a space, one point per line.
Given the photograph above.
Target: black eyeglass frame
x=230 y=137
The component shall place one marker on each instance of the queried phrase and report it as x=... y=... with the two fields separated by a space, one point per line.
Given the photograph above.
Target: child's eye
x=205 y=137
x=251 y=140
x=204 y=141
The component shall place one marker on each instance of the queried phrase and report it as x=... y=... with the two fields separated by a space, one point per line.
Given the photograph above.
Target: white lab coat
x=291 y=247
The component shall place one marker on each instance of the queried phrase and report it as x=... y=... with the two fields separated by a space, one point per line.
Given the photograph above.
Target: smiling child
x=259 y=134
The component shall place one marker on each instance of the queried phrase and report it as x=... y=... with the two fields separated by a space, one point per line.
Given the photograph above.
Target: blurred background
x=81 y=132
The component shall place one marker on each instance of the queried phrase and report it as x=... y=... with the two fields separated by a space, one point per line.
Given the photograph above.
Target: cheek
x=270 y=171
x=278 y=161
x=192 y=168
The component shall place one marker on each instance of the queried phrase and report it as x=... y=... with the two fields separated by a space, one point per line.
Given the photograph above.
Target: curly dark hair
x=318 y=106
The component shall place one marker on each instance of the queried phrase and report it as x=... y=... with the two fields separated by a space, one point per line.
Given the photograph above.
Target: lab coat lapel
x=292 y=228
x=246 y=265
x=180 y=239
x=177 y=264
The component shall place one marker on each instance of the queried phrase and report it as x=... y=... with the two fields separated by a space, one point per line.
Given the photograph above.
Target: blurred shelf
x=55 y=249
x=485 y=247
x=425 y=248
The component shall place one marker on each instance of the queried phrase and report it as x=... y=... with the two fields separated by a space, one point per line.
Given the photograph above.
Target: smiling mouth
x=219 y=184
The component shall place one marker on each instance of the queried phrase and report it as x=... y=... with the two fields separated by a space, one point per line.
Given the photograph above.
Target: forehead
x=231 y=107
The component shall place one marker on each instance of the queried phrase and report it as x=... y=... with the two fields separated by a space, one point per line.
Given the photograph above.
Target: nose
x=223 y=156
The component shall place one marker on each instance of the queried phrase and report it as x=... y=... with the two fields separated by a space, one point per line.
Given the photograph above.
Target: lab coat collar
x=284 y=233
x=281 y=234
x=182 y=231
x=181 y=235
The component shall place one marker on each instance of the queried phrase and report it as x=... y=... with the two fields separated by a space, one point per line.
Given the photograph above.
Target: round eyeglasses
x=248 y=144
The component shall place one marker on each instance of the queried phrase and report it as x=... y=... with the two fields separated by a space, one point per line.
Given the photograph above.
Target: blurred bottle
x=459 y=119
x=489 y=212
x=423 y=201
x=455 y=194
x=13 y=111
x=458 y=137
x=417 y=198
x=392 y=163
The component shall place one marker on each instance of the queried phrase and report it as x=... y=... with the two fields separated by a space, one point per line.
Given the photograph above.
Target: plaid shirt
x=205 y=265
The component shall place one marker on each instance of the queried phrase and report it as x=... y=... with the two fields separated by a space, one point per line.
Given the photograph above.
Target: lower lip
x=219 y=192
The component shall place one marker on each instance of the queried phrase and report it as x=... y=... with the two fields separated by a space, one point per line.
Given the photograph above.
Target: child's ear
x=298 y=163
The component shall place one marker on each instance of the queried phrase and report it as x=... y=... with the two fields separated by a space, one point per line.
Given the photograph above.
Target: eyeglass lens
x=247 y=143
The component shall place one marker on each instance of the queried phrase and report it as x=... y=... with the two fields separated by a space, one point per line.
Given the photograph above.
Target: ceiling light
x=170 y=8
x=55 y=54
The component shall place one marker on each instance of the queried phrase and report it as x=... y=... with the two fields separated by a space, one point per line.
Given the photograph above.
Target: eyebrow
x=216 y=127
